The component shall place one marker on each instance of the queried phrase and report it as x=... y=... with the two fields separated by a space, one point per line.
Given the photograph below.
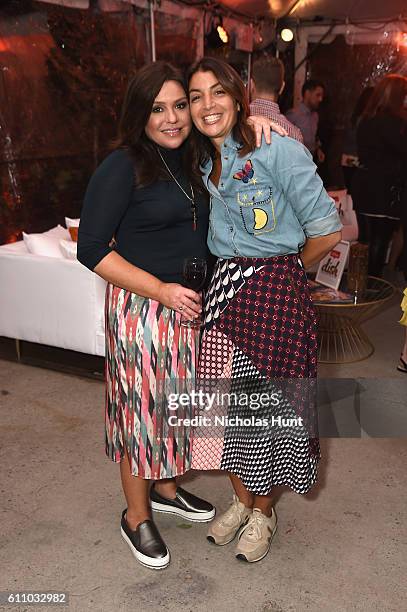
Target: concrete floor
x=343 y=547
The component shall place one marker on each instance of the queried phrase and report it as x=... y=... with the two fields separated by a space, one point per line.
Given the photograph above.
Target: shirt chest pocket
x=256 y=209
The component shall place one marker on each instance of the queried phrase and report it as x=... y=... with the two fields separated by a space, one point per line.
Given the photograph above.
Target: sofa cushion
x=68 y=248
x=18 y=247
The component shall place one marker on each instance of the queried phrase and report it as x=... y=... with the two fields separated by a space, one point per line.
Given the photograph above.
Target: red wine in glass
x=193 y=275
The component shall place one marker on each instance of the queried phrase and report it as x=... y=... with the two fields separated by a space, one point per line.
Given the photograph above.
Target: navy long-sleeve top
x=152 y=226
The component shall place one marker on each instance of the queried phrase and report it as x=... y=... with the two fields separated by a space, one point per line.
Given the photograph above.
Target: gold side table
x=340 y=336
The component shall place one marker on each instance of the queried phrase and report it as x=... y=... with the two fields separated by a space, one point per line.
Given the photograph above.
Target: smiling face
x=170 y=122
x=213 y=111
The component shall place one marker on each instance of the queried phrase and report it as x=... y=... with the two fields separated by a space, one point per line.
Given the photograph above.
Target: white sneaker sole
x=195 y=517
x=241 y=556
x=156 y=564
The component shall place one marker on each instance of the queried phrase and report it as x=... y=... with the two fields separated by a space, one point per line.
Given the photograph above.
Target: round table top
x=377 y=291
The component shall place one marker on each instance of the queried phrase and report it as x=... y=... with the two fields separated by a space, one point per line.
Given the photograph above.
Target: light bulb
x=287 y=35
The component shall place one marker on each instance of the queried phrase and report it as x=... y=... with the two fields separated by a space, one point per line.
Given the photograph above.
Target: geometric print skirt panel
x=149 y=355
x=259 y=341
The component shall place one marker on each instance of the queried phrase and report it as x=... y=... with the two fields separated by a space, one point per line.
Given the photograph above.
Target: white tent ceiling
x=308 y=10
x=355 y=10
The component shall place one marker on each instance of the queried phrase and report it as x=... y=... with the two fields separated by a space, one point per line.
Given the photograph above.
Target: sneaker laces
x=252 y=531
x=229 y=517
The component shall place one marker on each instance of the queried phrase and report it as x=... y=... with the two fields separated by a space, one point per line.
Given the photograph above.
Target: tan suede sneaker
x=255 y=538
x=224 y=528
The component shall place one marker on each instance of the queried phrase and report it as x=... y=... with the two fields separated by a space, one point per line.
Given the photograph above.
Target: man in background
x=266 y=86
x=306 y=118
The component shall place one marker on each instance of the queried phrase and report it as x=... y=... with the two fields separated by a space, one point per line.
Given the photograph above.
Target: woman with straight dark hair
x=379 y=181
x=270 y=217
x=144 y=195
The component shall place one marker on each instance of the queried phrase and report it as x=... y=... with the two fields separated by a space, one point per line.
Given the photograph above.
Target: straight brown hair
x=142 y=90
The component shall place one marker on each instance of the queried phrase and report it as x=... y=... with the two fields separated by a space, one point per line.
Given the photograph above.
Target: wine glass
x=193 y=277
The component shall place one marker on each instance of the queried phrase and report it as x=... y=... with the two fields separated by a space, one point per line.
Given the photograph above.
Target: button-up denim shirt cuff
x=324 y=226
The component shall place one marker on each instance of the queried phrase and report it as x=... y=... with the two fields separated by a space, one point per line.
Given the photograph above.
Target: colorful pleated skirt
x=149 y=356
x=259 y=337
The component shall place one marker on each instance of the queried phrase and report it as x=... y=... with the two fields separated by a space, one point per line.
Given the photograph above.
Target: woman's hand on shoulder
x=181 y=299
x=262 y=125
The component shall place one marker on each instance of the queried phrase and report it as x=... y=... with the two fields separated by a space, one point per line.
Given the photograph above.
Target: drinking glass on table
x=193 y=275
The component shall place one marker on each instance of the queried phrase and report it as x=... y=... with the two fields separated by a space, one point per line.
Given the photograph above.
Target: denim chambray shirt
x=268 y=202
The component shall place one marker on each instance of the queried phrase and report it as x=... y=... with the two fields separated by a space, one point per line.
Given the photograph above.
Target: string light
x=223 y=35
x=217 y=35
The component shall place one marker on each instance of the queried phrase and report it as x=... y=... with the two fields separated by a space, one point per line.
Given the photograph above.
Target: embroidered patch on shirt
x=257 y=209
x=246 y=173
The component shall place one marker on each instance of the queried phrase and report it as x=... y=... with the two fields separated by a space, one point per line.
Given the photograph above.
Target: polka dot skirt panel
x=260 y=325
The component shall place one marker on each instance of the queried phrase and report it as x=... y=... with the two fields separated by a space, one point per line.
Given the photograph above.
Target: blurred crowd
x=374 y=160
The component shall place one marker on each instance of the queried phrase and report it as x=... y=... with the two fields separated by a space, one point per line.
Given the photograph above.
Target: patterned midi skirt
x=259 y=338
x=149 y=356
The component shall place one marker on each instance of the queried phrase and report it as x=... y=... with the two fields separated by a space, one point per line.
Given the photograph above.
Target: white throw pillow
x=71 y=222
x=42 y=244
x=57 y=232
x=68 y=248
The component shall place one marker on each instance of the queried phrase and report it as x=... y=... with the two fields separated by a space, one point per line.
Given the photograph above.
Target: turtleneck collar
x=173 y=157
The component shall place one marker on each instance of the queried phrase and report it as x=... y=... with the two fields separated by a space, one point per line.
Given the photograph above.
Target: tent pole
x=152 y=31
x=200 y=42
x=249 y=74
x=301 y=49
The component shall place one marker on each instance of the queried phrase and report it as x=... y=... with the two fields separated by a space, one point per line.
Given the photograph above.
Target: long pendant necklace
x=191 y=198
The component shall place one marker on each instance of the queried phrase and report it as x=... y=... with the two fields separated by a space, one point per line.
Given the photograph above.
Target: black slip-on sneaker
x=146 y=544
x=185 y=505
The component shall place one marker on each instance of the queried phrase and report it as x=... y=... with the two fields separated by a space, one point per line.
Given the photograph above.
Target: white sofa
x=58 y=302
x=50 y=300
